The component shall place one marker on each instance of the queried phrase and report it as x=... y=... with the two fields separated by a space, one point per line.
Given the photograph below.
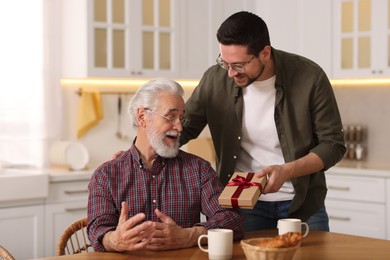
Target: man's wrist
x=195 y=232
x=107 y=241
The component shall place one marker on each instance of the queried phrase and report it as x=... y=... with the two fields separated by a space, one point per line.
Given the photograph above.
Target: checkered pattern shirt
x=181 y=187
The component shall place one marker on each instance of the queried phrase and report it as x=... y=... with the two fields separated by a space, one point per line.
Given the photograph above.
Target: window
x=26 y=103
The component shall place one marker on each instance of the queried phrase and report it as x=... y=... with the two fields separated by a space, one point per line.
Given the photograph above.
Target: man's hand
x=129 y=236
x=276 y=178
x=169 y=235
x=279 y=174
x=117 y=154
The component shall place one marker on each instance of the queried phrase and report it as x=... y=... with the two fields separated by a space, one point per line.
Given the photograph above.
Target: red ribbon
x=242 y=183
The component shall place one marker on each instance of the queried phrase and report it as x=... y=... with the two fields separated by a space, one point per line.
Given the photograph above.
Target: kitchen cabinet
x=358 y=202
x=66 y=203
x=200 y=21
x=388 y=207
x=361 y=35
x=22 y=230
x=38 y=207
x=119 y=38
x=300 y=26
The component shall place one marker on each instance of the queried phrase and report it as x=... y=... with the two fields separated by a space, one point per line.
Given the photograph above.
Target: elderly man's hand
x=129 y=236
x=169 y=235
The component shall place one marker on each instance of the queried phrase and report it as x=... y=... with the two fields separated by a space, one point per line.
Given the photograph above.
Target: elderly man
x=151 y=196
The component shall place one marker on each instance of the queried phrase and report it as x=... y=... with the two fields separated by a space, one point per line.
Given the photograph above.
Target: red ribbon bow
x=242 y=183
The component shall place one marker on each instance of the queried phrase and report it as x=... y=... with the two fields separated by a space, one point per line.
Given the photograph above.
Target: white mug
x=292 y=225
x=220 y=244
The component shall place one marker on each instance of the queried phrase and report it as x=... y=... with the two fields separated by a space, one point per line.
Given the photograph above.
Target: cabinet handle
x=75 y=209
x=339 y=188
x=339 y=218
x=72 y=192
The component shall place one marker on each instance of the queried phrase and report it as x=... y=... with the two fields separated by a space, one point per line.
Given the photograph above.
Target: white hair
x=147 y=96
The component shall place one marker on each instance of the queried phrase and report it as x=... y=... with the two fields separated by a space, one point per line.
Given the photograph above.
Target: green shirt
x=306 y=115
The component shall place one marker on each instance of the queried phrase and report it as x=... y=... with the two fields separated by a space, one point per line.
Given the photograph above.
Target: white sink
x=21 y=184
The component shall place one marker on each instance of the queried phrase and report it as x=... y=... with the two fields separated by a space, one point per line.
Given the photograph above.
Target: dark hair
x=244 y=28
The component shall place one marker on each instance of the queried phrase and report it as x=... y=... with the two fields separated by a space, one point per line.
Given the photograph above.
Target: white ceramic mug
x=292 y=225
x=220 y=244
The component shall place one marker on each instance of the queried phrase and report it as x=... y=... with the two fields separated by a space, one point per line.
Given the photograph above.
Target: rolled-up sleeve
x=218 y=217
x=103 y=214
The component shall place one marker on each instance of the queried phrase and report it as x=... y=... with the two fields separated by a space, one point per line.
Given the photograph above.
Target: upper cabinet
x=199 y=21
x=119 y=38
x=361 y=38
x=301 y=27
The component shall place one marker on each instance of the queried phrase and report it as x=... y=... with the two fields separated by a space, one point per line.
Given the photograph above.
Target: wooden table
x=317 y=245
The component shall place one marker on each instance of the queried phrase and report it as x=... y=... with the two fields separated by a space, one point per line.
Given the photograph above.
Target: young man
x=273 y=113
x=151 y=196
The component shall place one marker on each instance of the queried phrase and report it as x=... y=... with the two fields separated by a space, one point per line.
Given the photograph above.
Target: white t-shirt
x=260 y=145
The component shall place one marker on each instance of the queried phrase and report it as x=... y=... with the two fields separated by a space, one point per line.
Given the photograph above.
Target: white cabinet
x=361 y=41
x=388 y=207
x=66 y=203
x=119 y=38
x=358 y=204
x=200 y=21
x=300 y=26
x=22 y=231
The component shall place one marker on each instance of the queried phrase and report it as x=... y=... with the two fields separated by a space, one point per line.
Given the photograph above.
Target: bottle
x=359 y=152
x=359 y=134
x=351 y=152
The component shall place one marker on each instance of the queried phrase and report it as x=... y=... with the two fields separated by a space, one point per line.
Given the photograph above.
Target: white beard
x=157 y=143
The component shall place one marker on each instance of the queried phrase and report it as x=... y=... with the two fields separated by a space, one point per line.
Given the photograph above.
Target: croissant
x=289 y=239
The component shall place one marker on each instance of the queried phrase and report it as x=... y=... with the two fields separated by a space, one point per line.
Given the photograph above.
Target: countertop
x=361 y=168
x=61 y=174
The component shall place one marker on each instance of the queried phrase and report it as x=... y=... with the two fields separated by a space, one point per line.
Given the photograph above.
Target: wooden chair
x=5 y=255
x=74 y=240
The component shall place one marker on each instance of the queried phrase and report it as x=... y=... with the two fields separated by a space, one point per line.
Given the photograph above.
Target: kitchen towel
x=90 y=111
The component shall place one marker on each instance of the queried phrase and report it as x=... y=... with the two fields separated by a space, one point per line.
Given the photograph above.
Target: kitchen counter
x=58 y=174
x=361 y=168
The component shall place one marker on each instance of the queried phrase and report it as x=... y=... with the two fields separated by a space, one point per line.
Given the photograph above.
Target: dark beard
x=251 y=80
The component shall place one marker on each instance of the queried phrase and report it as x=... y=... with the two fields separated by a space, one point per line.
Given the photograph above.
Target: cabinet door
x=199 y=21
x=22 y=231
x=301 y=27
x=58 y=218
x=361 y=38
x=120 y=38
x=388 y=208
x=356 y=218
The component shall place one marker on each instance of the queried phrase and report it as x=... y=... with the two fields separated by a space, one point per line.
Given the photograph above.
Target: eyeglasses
x=238 y=67
x=172 y=120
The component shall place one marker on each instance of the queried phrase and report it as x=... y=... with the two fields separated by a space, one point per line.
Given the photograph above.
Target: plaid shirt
x=181 y=187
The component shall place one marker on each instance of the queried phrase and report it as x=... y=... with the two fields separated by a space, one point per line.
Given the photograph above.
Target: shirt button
x=239 y=138
x=154 y=201
x=234 y=157
x=229 y=175
x=154 y=176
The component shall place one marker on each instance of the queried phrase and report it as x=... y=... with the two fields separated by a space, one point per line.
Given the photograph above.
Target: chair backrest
x=5 y=255
x=74 y=240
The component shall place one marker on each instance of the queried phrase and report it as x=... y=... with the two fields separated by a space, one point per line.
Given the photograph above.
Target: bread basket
x=254 y=252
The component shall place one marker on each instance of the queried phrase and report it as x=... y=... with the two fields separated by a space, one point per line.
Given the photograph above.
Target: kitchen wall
x=370 y=107
x=101 y=141
x=367 y=106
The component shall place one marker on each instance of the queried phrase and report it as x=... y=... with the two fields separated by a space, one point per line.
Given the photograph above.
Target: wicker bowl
x=254 y=252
